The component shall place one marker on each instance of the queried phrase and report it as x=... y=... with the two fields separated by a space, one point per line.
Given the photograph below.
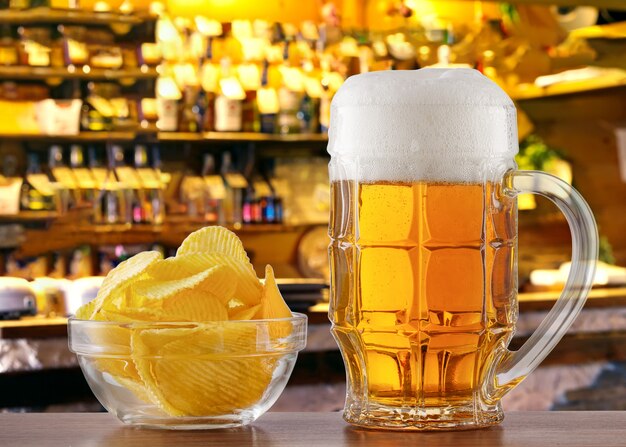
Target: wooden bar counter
x=38 y=327
x=520 y=429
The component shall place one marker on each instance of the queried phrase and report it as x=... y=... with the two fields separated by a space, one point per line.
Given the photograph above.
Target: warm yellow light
x=228 y=10
x=526 y=202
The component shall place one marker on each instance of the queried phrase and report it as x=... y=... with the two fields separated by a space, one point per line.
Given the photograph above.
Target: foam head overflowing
x=430 y=124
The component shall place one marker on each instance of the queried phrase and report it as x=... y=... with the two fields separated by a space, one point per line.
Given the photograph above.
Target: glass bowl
x=182 y=375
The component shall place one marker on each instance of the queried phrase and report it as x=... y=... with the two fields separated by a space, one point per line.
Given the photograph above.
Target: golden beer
x=423 y=299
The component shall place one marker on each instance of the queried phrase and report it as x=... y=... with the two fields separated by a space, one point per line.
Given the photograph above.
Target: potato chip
x=195 y=305
x=272 y=303
x=187 y=373
x=273 y=306
x=134 y=315
x=245 y=313
x=115 y=341
x=138 y=389
x=86 y=311
x=120 y=278
x=248 y=289
x=218 y=281
x=214 y=239
x=178 y=267
x=119 y=368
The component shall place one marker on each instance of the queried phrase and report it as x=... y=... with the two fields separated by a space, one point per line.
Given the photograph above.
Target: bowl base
x=188 y=423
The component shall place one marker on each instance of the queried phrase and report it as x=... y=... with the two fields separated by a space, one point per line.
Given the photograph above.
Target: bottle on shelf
x=209 y=76
x=37 y=193
x=191 y=194
x=136 y=202
x=250 y=79
x=289 y=96
x=235 y=184
x=86 y=184
x=214 y=192
x=62 y=179
x=10 y=185
x=110 y=206
x=151 y=192
x=97 y=113
x=325 y=102
x=8 y=46
x=168 y=96
x=271 y=202
x=190 y=118
x=309 y=112
x=228 y=111
x=267 y=202
x=267 y=102
x=96 y=162
x=158 y=198
x=251 y=209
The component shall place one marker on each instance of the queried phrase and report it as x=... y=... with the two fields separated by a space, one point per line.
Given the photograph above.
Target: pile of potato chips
x=195 y=369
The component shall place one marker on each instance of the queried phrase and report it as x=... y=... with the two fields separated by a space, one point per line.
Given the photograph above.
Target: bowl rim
x=293 y=343
x=296 y=317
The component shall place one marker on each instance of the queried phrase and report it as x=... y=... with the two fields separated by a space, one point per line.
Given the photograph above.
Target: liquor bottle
x=136 y=207
x=190 y=119
x=325 y=102
x=289 y=96
x=97 y=113
x=235 y=183
x=150 y=194
x=250 y=79
x=37 y=193
x=110 y=206
x=192 y=194
x=63 y=179
x=209 y=77
x=308 y=114
x=168 y=96
x=97 y=167
x=158 y=196
x=272 y=204
x=214 y=192
x=84 y=180
x=267 y=102
x=228 y=112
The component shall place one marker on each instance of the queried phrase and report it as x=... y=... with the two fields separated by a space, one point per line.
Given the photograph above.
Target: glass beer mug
x=423 y=249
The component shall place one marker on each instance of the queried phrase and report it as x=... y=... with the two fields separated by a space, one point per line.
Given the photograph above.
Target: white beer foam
x=431 y=124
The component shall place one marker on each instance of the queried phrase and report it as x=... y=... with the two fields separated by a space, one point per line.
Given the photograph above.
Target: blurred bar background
x=126 y=125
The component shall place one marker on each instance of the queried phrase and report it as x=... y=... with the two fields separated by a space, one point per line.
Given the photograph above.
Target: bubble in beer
x=430 y=124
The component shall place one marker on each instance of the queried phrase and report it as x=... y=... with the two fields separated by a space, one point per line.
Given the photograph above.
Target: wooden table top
x=520 y=429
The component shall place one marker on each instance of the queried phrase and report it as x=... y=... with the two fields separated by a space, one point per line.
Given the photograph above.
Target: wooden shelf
x=69 y=16
x=29 y=216
x=36 y=327
x=243 y=137
x=609 y=31
x=33 y=327
x=173 y=137
x=528 y=302
x=43 y=73
x=608 y=4
x=82 y=136
x=612 y=78
x=68 y=232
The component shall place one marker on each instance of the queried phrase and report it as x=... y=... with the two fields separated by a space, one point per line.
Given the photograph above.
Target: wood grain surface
x=536 y=429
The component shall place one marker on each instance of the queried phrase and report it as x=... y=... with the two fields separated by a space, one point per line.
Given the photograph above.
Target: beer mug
x=423 y=249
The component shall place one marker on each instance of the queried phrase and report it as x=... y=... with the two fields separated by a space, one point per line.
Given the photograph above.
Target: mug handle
x=516 y=365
